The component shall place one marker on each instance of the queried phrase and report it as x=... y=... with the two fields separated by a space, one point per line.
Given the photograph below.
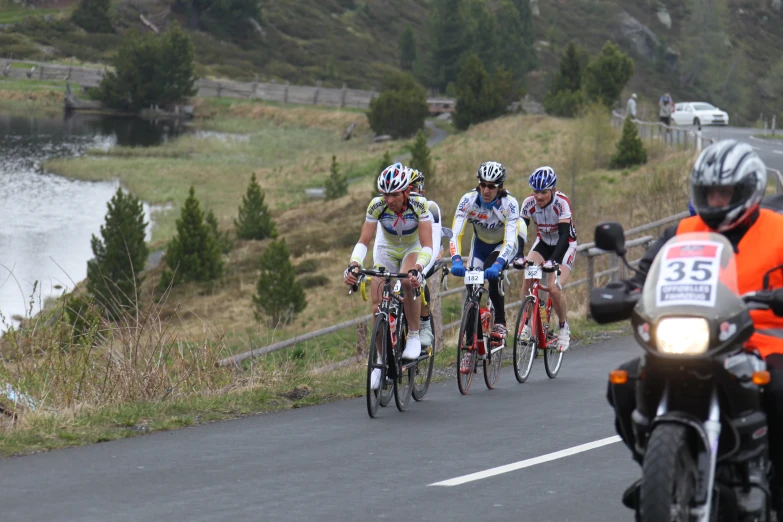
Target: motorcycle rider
x=727 y=185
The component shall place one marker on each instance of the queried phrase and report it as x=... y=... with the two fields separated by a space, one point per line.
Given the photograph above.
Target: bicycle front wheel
x=466 y=347
x=525 y=342
x=403 y=384
x=376 y=361
x=422 y=375
x=553 y=358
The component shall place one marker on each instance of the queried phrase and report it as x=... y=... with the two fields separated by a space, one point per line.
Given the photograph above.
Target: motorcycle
x=701 y=432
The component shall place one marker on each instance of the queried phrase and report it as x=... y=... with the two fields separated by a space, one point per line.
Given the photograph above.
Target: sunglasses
x=490 y=186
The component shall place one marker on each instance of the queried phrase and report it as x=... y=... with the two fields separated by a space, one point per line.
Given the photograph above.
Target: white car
x=698 y=114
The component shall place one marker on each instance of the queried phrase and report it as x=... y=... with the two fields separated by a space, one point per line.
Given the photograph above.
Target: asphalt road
x=333 y=462
x=770 y=151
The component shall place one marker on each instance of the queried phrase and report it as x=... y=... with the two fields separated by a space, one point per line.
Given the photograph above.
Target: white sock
x=413 y=333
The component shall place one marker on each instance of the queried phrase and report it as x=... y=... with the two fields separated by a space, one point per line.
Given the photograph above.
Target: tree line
x=194 y=254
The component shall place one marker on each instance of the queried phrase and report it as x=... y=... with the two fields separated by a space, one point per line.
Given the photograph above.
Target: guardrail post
x=219 y=89
x=315 y=96
x=285 y=92
x=342 y=96
x=590 y=282
x=361 y=339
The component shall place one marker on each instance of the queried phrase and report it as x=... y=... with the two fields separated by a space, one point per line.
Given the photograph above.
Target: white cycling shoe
x=563 y=338
x=412 y=347
x=426 y=336
x=375 y=379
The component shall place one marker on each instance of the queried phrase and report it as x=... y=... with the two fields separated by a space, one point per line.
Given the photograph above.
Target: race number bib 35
x=689 y=274
x=474 y=277
x=533 y=272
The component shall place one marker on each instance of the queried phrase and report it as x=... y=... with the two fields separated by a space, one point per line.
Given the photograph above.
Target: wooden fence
x=276 y=92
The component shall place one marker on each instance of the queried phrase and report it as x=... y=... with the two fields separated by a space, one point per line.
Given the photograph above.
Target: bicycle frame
x=391 y=305
x=537 y=287
x=474 y=293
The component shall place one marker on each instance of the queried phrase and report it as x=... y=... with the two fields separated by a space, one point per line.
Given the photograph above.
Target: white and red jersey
x=547 y=218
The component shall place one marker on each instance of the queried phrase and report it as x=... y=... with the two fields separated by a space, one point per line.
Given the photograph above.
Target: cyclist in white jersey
x=494 y=214
x=555 y=240
x=404 y=246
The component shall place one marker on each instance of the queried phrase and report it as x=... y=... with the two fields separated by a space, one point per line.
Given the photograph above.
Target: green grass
x=14 y=15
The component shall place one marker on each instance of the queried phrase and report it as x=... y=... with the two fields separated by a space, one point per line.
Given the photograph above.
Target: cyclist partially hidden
x=494 y=214
x=404 y=246
x=426 y=334
x=555 y=241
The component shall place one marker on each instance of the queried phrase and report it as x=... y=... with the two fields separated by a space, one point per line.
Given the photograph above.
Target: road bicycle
x=399 y=377
x=533 y=332
x=475 y=340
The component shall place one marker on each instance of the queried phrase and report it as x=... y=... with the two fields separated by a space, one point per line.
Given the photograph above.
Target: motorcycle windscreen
x=694 y=275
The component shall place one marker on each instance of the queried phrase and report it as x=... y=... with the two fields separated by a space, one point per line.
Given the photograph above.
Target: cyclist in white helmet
x=494 y=214
x=404 y=246
x=555 y=241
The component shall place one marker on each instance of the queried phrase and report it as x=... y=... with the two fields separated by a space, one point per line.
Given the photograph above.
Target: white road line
x=778 y=151
x=527 y=463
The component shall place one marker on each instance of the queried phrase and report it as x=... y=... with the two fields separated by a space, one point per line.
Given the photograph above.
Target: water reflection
x=47 y=221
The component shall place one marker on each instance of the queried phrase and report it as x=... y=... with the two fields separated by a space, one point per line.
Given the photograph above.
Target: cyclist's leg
x=498 y=301
x=559 y=299
x=383 y=255
x=535 y=256
x=558 y=296
x=412 y=308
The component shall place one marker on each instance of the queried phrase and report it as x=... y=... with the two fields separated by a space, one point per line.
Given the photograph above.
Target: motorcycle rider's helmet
x=728 y=163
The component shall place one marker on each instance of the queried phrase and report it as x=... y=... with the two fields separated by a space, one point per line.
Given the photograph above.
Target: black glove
x=417 y=275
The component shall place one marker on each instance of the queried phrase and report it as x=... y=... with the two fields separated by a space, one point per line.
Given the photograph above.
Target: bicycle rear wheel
x=466 y=347
x=376 y=360
x=403 y=384
x=553 y=357
x=492 y=365
x=422 y=372
x=525 y=346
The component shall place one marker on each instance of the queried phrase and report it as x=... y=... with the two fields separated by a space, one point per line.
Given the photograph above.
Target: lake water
x=46 y=221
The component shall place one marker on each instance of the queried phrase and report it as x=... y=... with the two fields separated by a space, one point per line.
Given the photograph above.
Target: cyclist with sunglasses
x=404 y=246
x=555 y=241
x=494 y=214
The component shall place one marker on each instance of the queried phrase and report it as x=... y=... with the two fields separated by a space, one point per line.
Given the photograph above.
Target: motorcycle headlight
x=683 y=335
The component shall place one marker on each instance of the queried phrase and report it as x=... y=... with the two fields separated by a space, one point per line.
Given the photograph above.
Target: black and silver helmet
x=491 y=172
x=728 y=163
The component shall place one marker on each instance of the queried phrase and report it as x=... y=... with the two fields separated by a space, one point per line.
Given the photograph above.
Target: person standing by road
x=630 y=108
x=666 y=108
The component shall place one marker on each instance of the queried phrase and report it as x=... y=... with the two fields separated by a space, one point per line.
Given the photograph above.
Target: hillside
x=716 y=50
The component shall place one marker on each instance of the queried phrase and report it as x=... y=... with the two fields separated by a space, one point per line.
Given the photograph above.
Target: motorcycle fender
x=695 y=426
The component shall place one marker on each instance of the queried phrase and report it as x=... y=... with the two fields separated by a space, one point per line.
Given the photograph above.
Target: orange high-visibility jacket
x=759 y=250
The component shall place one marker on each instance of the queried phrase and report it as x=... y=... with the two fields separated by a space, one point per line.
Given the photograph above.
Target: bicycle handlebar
x=380 y=273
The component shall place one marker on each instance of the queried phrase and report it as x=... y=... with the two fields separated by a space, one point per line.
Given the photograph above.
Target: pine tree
x=193 y=254
x=486 y=38
x=566 y=97
x=336 y=185
x=630 y=149
x=477 y=100
x=449 y=40
x=177 y=70
x=254 y=220
x=607 y=74
x=120 y=255
x=401 y=108
x=93 y=16
x=222 y=238
x=421 y=158
x=279 y=296
x=407 y=48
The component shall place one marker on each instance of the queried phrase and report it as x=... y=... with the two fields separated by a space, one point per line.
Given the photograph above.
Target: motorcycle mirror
x=610 y=237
